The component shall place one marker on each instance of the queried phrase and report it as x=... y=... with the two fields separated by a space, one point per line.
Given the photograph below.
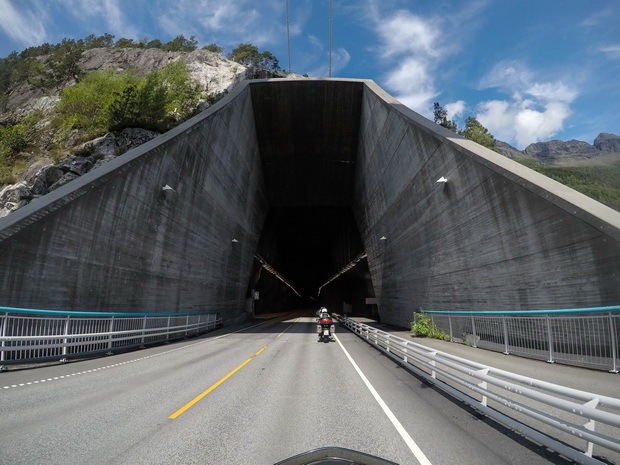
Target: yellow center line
x=287 y=328
x=189 y=404
x=284 y=331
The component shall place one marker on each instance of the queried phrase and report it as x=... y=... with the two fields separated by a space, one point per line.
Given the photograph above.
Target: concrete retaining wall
x=496 y=236
x=114 y=240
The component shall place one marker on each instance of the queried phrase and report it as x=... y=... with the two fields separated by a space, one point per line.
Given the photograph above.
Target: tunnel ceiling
x=307 y=138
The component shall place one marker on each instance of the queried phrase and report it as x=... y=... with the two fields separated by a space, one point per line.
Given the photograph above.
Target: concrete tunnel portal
x=308 y=157
x=303 y=177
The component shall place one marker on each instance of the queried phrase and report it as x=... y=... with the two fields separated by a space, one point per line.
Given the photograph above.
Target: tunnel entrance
x=308 y=246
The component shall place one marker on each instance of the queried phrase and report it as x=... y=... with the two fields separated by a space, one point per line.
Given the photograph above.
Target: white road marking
x=138 y=359
x=417 y=452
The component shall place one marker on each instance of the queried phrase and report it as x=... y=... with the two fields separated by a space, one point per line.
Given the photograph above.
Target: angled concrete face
x=259 y=166
x=495 y=236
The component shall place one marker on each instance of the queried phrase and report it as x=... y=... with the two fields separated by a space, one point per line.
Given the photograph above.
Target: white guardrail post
x=513 y=400
x=505 y=330
x=614 y=343
x=549 y=339
x=3 y=326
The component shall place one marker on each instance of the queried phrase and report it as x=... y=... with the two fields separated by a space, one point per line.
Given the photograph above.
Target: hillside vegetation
x=597 y=178
x=52 y=99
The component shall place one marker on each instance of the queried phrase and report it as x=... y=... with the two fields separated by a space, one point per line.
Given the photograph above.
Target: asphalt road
x=251 y=394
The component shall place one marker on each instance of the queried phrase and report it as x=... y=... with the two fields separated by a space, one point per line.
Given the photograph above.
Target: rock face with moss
x=213 y=75
x=51 y=176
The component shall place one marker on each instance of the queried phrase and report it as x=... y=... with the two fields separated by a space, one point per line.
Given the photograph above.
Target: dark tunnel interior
x=308 y=159
x=308 y=246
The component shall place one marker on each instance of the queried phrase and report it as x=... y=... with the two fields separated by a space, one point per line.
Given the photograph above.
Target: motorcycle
x=325 y=328
x=334 y=456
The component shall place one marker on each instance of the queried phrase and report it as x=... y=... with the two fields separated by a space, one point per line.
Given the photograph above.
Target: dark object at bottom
x=334 y=456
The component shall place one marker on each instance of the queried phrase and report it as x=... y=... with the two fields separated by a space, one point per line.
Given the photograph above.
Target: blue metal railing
x=31 y=335
x=586 y=337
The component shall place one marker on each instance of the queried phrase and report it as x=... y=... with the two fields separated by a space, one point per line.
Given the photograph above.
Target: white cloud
x=340 y=59
x=536 y=110
x=521 y=122
x=413 y=84
x=455 y=109
x=23 y=26
x=507 y=75
x=533 y=125
x=228 y=22
x=405 y=34
x=552 y=92
x=104 y=15
x=413 y=47
x=613 y=51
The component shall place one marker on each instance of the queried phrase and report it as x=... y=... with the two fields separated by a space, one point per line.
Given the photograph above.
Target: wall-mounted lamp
x=382 y=238
x=167 y=188
x=234 y=241
x=442 y=179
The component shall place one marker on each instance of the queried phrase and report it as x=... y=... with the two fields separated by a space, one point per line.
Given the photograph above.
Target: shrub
x=422 y=326
x=84 y=106
x=158 y=102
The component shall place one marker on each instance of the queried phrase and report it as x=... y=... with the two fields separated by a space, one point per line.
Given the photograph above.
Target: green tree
x=158 y=101
x=248 y=55
x=213 y=48
x=84 y=106
x=155 y=43
x=14 y=138
x=124 y=43
x=478 y=133
x=441 y=117
x=181 y=44
x=106 y=40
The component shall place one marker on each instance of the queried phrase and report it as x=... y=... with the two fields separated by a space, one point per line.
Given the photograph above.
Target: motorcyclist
x=322 y=313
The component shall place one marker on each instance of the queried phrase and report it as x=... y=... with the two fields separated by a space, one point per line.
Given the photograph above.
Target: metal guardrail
x=44 y=335
x=574 y=423
x=588 y=337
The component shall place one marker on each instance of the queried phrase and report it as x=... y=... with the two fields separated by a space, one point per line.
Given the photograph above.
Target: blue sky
x=528 y=70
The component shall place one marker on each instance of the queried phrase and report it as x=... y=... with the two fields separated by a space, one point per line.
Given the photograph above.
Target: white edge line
x=419 y=455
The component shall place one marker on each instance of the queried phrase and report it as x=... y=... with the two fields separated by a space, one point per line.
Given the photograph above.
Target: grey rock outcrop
x=606 y=142
x=557 y=150
x=52 y=176
x=507 y=150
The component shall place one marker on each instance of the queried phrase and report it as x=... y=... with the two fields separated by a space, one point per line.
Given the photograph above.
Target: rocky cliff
x=216 y=75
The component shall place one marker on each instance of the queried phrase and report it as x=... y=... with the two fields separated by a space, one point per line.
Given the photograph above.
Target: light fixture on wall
x=234 y=241
x=442 y=179
x=167 y=188
x=382 y=238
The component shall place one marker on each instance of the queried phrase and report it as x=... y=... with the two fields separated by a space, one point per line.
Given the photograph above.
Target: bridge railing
x=44 y=335
x=580 y=425
x=588 y=337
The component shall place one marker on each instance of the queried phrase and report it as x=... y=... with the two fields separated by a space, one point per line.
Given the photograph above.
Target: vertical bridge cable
x=288 y=38
x=330 y=40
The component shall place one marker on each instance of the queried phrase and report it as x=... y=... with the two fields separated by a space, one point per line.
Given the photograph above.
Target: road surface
x=254 y=393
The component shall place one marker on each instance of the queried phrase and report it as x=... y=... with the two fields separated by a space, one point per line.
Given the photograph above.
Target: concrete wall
x=496 y=236
x=113 y=240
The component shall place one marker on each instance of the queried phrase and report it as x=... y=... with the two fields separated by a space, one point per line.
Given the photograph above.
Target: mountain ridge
x=558 y=151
